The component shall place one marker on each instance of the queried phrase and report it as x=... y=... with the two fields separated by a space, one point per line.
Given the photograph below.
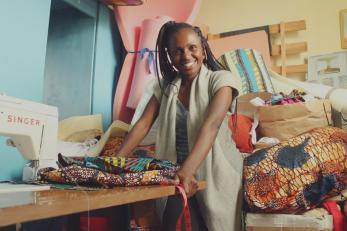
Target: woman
x=191 y=103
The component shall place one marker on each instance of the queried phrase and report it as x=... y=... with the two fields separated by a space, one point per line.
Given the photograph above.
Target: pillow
x=297 y=174
x=249 y=66
x=240 y=126
x=82 y=136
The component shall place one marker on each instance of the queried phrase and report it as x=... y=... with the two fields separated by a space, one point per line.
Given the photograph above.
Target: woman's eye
x=177 y=52
x=193 y=47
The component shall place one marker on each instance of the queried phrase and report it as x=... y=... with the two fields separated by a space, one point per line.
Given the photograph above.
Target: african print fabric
x=297 y=174
x=113 y=144
x=111 y=171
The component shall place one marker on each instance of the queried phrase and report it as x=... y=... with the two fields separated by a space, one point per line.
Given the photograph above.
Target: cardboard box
x=287 y=222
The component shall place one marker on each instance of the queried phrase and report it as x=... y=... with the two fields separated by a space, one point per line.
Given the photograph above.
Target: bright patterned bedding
x=297 y=174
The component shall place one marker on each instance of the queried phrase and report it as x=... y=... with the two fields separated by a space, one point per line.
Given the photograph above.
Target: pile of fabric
x=294 y=160
x=111 y=171
x=297 y=174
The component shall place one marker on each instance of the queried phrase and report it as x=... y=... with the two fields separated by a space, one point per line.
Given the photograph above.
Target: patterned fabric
x=117 y=165
x=249 y=65
x=113 y=144
x=100 y=171
x=78 y=175
x=297 y=174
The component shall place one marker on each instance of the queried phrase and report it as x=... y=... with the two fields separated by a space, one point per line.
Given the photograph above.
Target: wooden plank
x=291 y=69
x=55 y=202
x=289 y=26
x=274 y=28
x=344 y=43
x=291 y=48
x=283 y=49
x=122 y=3
x=213 y=36
x=283 y=229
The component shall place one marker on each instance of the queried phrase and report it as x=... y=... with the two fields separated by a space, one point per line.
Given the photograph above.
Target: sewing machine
x=33 y=129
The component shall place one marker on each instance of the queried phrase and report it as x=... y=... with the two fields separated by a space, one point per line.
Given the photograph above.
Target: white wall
x=322 y=19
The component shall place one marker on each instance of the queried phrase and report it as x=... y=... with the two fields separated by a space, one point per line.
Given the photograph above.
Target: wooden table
x=21 y=207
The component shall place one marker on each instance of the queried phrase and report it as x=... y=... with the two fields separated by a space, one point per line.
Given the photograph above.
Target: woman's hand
x=121 y=154
x=187 y=180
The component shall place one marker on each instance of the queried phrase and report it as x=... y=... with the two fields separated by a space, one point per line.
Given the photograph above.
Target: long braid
x=166 y=68
x=210 y=61
x=167 y=71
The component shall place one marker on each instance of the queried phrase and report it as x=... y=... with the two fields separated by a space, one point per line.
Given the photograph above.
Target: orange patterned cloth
x=113 y=144
x=297 y=174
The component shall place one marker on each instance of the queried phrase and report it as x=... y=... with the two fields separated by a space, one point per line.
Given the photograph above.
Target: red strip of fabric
x=338 y=217
x=185 y=211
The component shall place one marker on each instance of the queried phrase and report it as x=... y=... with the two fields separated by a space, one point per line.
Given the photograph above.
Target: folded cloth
x=118 y=165
x=111 y=171
x=78 y=175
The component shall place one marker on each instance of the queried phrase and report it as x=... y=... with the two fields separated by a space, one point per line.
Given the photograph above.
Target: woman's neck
x=187 y=81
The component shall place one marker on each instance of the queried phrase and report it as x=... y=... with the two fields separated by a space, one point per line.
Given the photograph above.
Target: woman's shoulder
x=219 y=73
x=221 y=78
x=222 y=72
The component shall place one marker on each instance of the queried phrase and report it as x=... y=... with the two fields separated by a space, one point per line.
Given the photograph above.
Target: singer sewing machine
x=33 y=129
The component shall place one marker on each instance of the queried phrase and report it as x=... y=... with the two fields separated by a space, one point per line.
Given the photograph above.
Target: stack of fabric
x=295 y=174
x=111 y=171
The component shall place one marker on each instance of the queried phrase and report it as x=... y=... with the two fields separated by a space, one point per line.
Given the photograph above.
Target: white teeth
x=188 y=64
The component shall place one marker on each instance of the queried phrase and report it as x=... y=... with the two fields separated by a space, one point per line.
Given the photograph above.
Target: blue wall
x=70 y=61
x=24 y=29
x=108 y=63
x=23 y=41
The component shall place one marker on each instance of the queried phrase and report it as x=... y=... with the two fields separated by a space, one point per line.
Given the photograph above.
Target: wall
x=109 y=52
x=322 y=19
x=24 y=29
x=69 y=61
x=23 y=41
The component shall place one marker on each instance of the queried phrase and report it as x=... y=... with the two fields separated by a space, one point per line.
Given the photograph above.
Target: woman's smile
x=186 y=53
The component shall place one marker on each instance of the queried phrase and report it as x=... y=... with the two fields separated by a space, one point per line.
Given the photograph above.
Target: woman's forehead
x=184 y=36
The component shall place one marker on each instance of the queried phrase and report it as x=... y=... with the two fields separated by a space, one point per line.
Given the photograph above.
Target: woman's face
x=186 y=52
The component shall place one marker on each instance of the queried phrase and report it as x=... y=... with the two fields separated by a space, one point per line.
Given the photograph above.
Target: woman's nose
x=186 y=53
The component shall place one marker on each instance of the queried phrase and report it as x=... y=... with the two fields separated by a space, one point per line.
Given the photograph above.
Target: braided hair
x=166 y=33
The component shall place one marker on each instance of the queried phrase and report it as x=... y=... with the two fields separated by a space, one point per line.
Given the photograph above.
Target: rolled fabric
x=144 y=68
x=338 y=100
x=120 y=110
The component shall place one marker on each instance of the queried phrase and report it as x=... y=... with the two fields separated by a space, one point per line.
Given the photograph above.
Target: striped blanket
x=249 y=66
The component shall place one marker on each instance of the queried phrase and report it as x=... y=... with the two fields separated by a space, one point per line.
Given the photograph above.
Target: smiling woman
x=190 y=103
x=343 y=28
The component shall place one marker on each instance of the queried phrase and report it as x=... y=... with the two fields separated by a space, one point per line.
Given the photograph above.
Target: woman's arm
x=141 y=127
x=207 y=133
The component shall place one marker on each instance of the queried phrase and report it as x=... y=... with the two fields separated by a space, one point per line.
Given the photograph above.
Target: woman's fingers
x=192 y=187
x=177 y=180
x=189 y=183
